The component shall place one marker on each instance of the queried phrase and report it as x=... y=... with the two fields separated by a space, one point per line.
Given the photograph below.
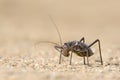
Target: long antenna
x=47 y=42
x=56 y=29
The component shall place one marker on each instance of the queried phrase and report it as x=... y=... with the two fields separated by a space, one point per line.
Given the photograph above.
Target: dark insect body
x=79 y=48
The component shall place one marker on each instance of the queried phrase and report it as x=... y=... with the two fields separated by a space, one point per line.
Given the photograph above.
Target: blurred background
x=28 y=20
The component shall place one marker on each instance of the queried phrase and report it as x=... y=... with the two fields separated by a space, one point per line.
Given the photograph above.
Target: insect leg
x=60 y=58
x=84 y=60
x=99 y=49
x=82 y=39
x=71 y=58
x=58 y=48
x=87 y=58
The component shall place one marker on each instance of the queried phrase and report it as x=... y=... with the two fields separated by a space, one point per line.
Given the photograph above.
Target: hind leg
x=82 y=40
x=99 y=49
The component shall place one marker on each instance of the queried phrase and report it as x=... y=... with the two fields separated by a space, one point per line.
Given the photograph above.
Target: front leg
x=59 y=48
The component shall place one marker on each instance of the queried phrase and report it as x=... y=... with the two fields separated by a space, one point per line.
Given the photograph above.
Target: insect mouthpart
x=65 y=52
x=66 y=55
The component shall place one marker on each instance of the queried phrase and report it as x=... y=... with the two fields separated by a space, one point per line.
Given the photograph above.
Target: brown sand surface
x=23 y=23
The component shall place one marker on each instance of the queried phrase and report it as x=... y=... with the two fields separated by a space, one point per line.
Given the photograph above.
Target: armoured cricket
x=78 y=47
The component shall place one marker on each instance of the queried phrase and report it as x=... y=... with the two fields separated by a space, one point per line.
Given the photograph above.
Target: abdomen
x=84 y=53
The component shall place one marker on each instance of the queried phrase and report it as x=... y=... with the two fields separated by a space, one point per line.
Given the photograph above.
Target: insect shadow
x=78 y=47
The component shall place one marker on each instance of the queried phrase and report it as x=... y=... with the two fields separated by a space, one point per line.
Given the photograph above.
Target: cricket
x=78 y=47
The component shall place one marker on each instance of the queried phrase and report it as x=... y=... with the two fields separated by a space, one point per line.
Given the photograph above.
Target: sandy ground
x=24 y=23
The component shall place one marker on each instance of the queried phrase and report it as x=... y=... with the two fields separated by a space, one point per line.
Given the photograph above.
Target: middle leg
x=84 y=60
x=71 y=58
